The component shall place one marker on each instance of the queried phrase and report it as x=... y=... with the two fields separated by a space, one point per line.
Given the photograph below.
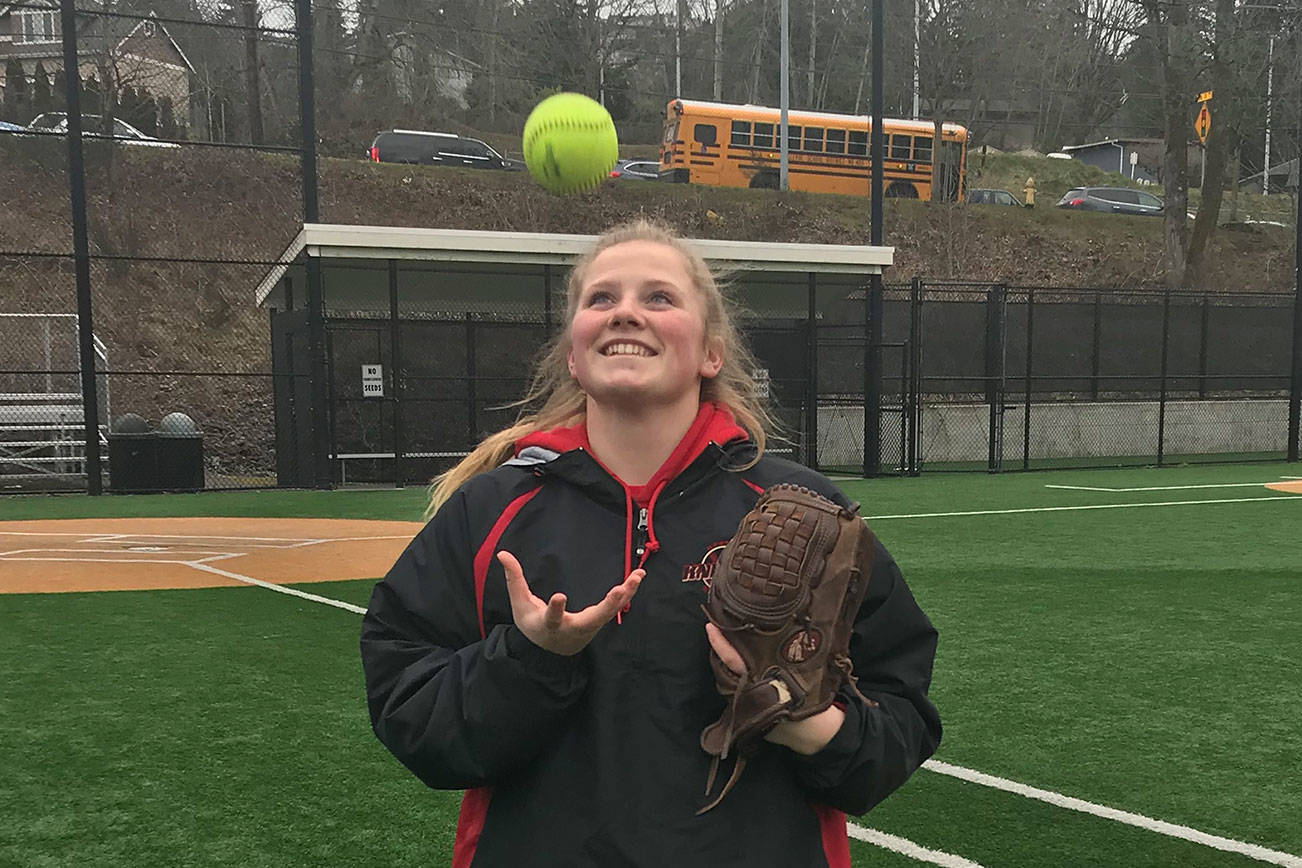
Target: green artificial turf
x=1145 y=658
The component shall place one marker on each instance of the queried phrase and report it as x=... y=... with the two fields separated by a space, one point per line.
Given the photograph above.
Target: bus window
x=764 y=135
x=814 y=139
x=900 y=147
x=836 y=141
x=922 y=149
x=706 y=134
x=793 y=138
x=740 y=134
x=858 y=146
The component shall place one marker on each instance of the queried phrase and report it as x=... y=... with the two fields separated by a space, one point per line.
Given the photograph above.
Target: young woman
x=541 y=643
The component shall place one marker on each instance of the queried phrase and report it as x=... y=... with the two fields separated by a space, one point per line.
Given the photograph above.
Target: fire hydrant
x=1029 y=190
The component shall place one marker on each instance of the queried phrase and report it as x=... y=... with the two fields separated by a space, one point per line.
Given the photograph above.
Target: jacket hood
x=714 y=423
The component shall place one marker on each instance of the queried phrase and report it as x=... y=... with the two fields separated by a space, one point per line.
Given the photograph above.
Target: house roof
x=55 y=49
x=1110 y=143
x=1284 y=169
x=330 y=241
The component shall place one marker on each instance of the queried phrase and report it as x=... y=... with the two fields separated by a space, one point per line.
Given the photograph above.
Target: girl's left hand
x=807 y=736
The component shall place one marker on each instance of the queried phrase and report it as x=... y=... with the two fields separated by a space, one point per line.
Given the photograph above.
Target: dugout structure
x=395 y=350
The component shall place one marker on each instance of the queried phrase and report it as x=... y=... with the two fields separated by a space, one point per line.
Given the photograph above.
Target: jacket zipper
x=639 y=540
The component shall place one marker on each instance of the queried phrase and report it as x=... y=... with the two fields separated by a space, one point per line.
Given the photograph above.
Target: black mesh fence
x=131 y=337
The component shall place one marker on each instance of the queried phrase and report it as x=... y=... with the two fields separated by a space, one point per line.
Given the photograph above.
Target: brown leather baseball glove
x=785 y=594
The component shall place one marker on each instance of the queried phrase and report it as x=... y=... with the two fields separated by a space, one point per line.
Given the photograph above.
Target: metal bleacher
x=42 y=426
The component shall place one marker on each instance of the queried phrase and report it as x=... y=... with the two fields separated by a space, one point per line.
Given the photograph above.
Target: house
x=1283 y=179
x=1137 y=159
x=135 y=53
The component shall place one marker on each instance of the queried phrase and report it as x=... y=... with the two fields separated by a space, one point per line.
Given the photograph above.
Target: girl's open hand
x=547 y=624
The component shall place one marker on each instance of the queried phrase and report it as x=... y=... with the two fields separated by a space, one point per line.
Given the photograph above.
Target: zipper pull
x=641 y=533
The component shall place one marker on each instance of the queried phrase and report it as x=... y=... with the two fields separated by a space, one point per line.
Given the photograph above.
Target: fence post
x=1026 y=410
x=811 y=374
x=471 y=398
x=396 y=377
x=915 y=379
x=547 y=300
x=1202 y=348
x=1161 y=398
x=81 y=249
x=1097 y=344
x=1295 y=380
x=996 y=311
x=872 y=375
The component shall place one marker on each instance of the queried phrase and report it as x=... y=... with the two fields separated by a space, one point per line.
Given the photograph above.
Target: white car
x=91 y=126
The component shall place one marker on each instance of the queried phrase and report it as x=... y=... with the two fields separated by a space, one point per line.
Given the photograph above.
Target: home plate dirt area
x=132 y=554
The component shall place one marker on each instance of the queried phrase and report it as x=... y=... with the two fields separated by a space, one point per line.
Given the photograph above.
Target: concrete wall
x=960 y=432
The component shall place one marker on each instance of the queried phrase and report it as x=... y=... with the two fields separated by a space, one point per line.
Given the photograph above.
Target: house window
x=36 y=26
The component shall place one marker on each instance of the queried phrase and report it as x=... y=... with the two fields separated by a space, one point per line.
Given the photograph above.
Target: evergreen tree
x=42 y=96
x=167 y=128
x=148 y=108
x=18 y=102
x=60 y=91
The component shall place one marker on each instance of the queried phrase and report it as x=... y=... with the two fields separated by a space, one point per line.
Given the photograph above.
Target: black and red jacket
x=595 y=760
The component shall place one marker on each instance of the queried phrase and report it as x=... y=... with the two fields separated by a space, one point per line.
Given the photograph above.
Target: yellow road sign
x=1203 y=125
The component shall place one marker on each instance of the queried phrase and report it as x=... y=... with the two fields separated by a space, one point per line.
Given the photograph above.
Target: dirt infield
x=128 y=554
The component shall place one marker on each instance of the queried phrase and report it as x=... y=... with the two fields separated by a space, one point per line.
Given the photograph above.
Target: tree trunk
x=718 y=50
x=1221 y=141
x=813 y=51
x=1175 y=153
x=252 y=89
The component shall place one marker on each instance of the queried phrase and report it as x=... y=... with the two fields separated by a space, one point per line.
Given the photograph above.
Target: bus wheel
x=764 y=181
x=901 y=190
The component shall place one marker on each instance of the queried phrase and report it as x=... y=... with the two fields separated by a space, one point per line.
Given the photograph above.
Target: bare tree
x=1169 y=25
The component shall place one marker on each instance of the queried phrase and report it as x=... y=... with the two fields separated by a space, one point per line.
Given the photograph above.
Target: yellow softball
x=570 y=144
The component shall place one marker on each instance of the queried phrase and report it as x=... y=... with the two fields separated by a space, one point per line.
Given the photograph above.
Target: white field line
x=905 y=847
x=1278 y=497
x=1161 y=827
x=271 y=586
x=1168 y=487
x=10 y=554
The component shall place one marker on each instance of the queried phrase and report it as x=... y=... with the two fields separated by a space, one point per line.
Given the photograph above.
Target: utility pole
x=1270 y=82
x=917 y=51
x=784 y=94
x=678 y=48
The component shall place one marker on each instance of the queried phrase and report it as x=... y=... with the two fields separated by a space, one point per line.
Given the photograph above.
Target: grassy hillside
x=219 y=204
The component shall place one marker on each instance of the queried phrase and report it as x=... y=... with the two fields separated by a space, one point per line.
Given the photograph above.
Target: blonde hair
x=561 y=402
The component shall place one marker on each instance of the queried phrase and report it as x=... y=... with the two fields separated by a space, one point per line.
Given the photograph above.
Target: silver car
x=92 y=127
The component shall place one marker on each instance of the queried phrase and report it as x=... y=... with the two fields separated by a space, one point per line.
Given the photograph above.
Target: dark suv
x=1114 y=200
x=436 y=149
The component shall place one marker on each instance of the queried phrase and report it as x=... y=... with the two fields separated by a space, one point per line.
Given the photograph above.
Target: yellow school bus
x=738 y=146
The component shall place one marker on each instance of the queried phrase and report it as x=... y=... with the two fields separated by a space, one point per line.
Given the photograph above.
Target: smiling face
x=638 y=333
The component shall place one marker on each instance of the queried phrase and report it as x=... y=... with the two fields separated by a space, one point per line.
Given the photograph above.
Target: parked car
x=1116 y=200
x=992 y=197
x=92 y=126
x=426 y=148
x=636 y=170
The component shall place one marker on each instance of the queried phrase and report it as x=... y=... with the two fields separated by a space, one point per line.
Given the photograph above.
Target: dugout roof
x=362 y=248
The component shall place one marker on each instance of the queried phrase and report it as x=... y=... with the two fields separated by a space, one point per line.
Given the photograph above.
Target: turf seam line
x=1279 y=497
x=270 y=586
x=1161 y=827
x=905 y=847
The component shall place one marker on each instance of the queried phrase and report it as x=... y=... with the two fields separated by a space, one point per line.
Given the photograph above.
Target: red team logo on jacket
x=704 y=571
